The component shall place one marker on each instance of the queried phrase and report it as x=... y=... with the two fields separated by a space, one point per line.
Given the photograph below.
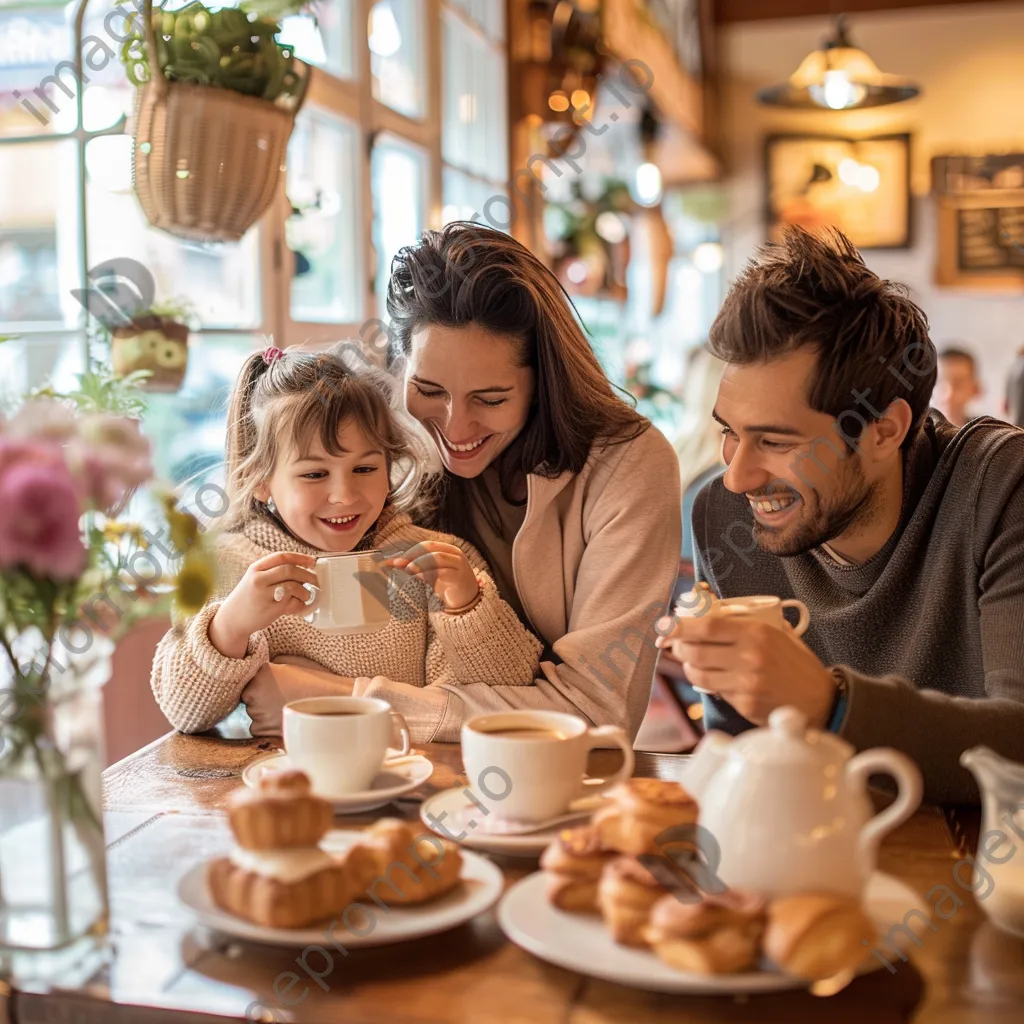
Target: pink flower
x=114 y=459
x=40 y=507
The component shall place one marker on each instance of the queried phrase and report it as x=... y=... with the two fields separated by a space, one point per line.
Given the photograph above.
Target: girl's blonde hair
x=299 y=395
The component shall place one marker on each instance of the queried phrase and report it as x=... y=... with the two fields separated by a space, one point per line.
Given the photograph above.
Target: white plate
x=478 y=890
x=392 y=781
x=452 y=803
x=581 y=942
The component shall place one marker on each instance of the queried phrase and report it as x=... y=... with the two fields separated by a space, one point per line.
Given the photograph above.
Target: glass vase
x=53 y=883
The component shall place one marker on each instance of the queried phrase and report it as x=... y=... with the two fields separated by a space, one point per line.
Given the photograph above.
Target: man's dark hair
x=953 y=352
x=815 y=290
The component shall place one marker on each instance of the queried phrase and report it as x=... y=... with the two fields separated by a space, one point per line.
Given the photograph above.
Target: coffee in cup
x=352 y=593
x=529 y=765
x=341 y=742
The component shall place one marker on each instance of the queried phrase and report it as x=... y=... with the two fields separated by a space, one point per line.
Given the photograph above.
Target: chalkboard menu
x=990 y=238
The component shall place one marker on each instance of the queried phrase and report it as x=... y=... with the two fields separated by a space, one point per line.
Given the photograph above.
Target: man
x=957 y=385
x=904 y=536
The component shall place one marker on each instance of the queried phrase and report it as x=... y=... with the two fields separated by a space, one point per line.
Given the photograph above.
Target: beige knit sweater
x=196 y=686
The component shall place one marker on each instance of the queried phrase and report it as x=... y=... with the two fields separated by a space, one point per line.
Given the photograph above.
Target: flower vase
x=53 y=883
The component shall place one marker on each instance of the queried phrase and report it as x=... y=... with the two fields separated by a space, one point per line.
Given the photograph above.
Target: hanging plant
x=215 y=108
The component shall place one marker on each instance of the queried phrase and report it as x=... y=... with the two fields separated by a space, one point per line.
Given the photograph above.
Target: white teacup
x=529 y=765
x=765 y=608
x=341 y=742
x=352 y=593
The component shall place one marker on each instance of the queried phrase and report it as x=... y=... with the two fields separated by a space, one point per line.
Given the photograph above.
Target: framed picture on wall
x=860 y=186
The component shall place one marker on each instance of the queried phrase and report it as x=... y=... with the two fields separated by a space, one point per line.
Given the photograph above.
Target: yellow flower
x=193 y=585
x=115 y=532
x=184 y=528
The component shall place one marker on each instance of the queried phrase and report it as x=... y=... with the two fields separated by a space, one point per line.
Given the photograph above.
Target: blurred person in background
x=957 y=385
x=1014 y=395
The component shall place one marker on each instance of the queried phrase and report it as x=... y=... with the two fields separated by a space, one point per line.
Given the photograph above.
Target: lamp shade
x=839 y=76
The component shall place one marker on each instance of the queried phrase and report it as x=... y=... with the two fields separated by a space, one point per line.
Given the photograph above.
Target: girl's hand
x=271 y=587
x=443 y=567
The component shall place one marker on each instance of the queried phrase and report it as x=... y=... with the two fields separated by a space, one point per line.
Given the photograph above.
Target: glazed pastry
x=717 y=935
x=816 y=935
x=396 y=874
x=280 y=812
x=573 y=863
x=638 y=810
x=625 y=895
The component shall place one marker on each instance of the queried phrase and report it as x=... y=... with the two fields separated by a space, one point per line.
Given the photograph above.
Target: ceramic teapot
x=789 y=809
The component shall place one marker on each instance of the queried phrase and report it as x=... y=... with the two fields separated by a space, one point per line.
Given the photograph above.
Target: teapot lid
x=788 y=740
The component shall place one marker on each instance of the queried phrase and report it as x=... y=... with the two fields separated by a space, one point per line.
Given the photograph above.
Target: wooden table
x=165 y=812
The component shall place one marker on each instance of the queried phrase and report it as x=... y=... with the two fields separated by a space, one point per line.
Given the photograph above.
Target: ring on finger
x=279 y=593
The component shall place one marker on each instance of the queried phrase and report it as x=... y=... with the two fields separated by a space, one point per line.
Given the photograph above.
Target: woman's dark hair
x=470 y=274
x=815 y=290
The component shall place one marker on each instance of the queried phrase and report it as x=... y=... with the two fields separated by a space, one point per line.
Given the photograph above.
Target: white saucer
x=478 y=890
x=392 y=781
x=453 y=802
x=580 y=942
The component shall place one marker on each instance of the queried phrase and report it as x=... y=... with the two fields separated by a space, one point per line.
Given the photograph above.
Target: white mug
x=529 y=765
x=341 y=742
x=352 y=593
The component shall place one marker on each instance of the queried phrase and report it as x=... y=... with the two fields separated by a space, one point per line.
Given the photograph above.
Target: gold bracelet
x=467 y=607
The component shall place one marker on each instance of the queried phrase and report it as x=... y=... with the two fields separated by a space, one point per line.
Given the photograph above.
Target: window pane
x=323 y=176
x=323 y=37
x=395 y=31
x=489 y=15
x=33 y=41
x=465 y=198
x=397 y=180
x=221 y=282
x=475 y=125
x=38 y=235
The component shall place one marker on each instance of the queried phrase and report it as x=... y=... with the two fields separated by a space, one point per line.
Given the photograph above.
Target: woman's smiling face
x=467 y=387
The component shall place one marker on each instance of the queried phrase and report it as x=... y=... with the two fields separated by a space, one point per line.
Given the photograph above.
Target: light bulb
x=838 y=91
x=869 y=178
x=610 y=227
x=580 y=98
x=558 y=101
x=648 y=184
x=708 y=257
x=849 y=172
x=385 y=39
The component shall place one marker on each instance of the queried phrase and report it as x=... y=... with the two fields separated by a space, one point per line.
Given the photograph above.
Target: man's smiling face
x=804 y=484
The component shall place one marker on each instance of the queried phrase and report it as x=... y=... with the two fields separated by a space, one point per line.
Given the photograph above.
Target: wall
x=969 y=62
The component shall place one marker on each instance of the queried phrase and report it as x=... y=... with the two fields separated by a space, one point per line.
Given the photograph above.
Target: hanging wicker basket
x=206 y=161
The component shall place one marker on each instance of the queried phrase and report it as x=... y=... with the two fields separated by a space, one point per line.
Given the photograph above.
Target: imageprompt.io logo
x=686 y=862
x=118 y=291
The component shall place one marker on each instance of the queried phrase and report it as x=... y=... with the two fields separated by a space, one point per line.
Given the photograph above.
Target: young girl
x=318 y=461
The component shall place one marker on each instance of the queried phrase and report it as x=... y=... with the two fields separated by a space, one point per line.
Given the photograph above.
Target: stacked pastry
x=614 y=866
x=278 y=875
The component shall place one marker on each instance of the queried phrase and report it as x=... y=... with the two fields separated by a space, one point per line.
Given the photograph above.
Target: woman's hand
x=271 y=587
x=443 y=567
x=283 y=681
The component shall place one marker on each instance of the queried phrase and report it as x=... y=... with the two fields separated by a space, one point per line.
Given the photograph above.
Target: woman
x=572 y=497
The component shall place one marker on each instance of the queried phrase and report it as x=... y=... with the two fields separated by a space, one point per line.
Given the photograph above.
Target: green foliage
x=229 y=49
x=99 y=390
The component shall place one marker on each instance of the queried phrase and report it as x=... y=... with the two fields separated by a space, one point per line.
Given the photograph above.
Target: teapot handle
x=884 y=761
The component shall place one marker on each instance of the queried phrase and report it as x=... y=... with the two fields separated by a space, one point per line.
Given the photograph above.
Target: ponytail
x=242 y=433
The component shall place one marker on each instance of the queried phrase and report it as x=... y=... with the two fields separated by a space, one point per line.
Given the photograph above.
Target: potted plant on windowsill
x=154 y=345
x=216 y=104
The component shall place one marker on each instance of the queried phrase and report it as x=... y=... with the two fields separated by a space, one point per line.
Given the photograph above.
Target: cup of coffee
x=341 y=742
x=529 y=765
x=352 y=593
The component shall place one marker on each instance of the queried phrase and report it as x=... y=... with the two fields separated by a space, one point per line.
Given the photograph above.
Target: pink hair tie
x=272 y=354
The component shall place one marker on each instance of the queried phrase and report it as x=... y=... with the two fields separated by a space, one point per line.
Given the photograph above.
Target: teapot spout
x=994 y=772
x=708 y=756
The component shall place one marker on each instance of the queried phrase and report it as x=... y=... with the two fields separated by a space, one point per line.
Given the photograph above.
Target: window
x=404 y=121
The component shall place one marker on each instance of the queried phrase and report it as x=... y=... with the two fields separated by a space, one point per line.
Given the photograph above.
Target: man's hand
x=754 y=666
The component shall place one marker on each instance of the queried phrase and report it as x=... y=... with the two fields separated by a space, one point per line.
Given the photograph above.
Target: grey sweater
x=929 y=632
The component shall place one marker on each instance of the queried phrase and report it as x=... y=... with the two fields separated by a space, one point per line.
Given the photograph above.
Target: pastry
x=280 y=812
x=639 y=810
x=573 y=863
x=719 y=934
x=816 y=935
x=277 y=875
x=625 y=895
x=407 y=865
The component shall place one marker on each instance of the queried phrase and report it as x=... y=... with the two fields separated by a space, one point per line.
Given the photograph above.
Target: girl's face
x=465 y=385
x=330 y=501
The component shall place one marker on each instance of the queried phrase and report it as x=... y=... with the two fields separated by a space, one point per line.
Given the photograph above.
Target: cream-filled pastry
x=638 y=810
